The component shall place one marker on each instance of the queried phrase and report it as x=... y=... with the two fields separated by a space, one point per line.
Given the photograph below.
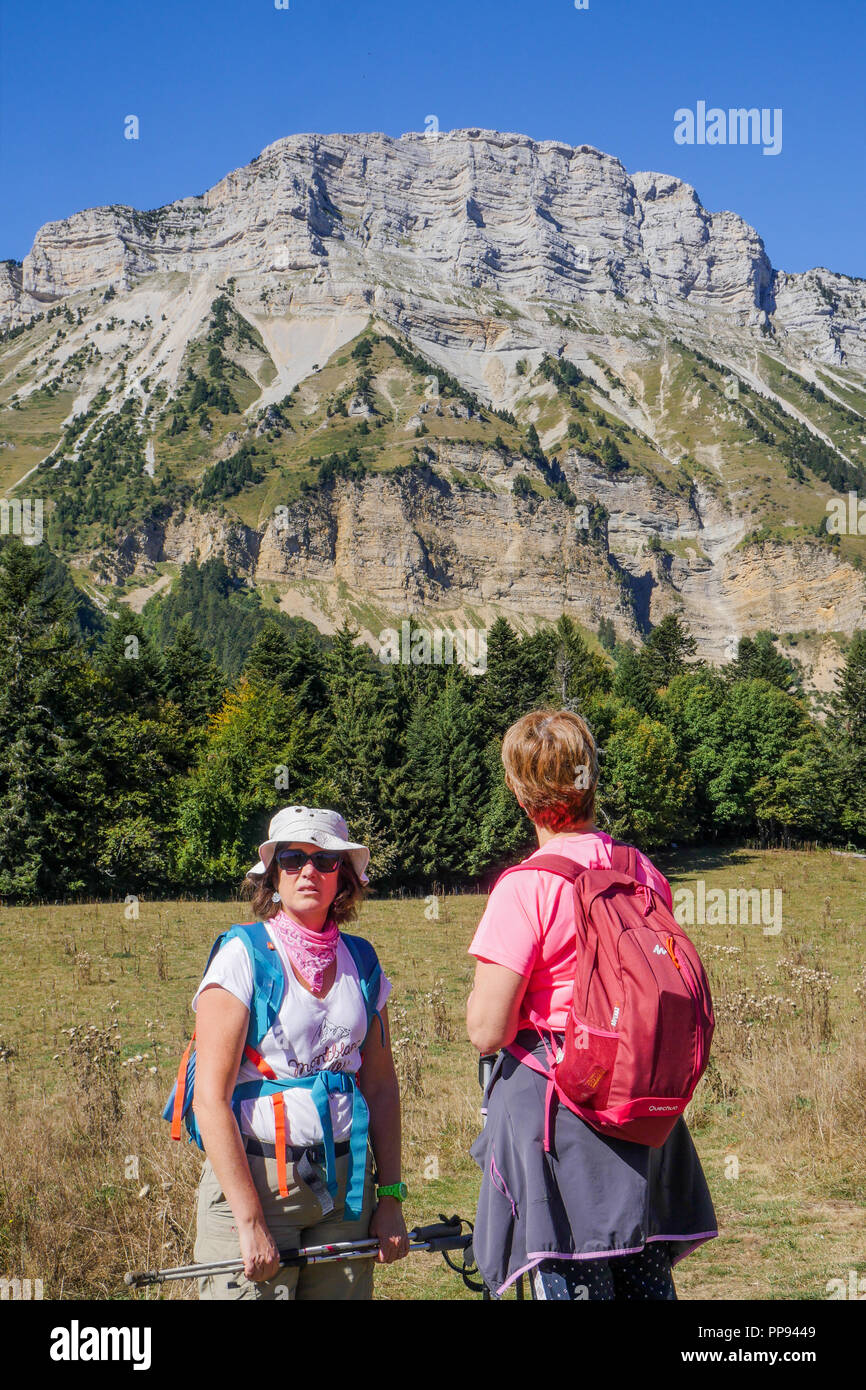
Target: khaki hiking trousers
x=293 y=1221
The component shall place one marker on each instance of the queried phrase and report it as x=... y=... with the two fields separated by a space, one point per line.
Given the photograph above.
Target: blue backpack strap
x=186 y=1112
x=269 y=981
x=369 y=970
x=268 y=989
x=322 y=1085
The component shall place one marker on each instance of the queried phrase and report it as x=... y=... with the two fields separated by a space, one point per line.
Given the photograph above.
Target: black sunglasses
x=291 y=861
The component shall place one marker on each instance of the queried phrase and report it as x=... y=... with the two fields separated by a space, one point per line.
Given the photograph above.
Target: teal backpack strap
x=322 y=1085
x=188 y=1077
x=369 y=970
x=268 y=988
x=269 y=981
x=326 y=1084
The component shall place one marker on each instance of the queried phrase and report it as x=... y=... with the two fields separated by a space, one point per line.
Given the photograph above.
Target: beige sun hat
x=309 y=825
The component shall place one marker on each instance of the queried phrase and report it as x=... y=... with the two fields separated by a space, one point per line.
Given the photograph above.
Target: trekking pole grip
x=486 y=1063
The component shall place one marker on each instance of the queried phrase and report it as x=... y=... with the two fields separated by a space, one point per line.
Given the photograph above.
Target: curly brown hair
x=259 y=889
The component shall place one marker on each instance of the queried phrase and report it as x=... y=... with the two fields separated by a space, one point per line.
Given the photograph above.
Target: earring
x=275 y=897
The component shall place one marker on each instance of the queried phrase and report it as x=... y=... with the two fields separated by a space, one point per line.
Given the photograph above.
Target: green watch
x=394 y=1189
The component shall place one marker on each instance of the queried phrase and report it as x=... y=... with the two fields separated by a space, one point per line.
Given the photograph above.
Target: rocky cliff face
x=493 y=256
x=409 y=545
x=466 y=208
x=422 y=544
x=809 y=588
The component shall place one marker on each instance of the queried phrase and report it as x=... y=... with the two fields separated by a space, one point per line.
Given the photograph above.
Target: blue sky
x=214 y=81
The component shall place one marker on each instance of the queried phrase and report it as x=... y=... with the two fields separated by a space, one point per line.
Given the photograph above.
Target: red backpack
x=638 y=1035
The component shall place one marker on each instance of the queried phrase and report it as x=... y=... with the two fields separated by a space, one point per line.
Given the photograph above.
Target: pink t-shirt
x=528 y=925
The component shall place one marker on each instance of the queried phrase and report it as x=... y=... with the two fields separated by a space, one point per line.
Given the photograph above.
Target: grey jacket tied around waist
x=591 y=1197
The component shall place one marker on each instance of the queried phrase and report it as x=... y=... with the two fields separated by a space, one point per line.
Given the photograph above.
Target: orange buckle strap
x=280 y=1142
x=180 y=1090
x=279 y=1118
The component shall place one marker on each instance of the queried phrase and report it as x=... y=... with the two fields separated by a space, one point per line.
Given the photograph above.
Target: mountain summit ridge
x=462 y=374
x=474 y=208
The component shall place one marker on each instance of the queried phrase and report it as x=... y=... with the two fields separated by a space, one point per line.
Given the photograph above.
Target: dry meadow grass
x=94 y=1013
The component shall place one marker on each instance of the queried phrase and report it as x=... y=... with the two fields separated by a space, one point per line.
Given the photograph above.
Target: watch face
x=403 y=1189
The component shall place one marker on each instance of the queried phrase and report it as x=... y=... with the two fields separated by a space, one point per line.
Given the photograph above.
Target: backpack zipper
x=693 y=990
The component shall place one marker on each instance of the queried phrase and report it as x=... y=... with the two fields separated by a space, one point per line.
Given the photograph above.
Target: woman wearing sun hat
x=252 y=1200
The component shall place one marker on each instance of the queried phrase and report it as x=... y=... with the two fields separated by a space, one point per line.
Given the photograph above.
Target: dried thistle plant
x=94 y=1055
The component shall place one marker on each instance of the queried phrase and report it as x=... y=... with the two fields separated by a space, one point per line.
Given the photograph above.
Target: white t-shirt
x=308 y=1035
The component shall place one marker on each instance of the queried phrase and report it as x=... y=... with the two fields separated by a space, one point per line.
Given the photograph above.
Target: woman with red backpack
x=590 y=1179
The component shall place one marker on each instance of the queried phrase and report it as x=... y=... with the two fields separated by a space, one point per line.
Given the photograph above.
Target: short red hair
x=551 y=766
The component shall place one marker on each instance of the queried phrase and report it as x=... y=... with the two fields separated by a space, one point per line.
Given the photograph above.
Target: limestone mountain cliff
x=679 y=411
x=471 y=208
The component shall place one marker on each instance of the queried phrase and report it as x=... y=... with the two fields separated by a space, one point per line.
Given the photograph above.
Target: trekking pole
x=440 y=1237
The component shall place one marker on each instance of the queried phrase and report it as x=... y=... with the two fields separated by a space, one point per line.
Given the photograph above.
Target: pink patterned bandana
x=311 y=952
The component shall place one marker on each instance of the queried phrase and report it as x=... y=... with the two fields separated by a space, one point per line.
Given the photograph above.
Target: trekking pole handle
x=444 y=1228
x=486 y=1063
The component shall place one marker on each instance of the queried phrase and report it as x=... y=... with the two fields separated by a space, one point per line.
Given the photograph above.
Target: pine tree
x=505 y=691
x=758 y=659
x=445 y=782
x=848 y=723
x=631 y=682
x=294 y=662
x=664 y=653
x=849 y=701
x=359 y=746
x=193 y=681
x=577 y=673
x=505 y=833
x=44 y=773
x=533 y=443
x=269 y=655
x=348 y=660
x=130 y=663
x=141 y=742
